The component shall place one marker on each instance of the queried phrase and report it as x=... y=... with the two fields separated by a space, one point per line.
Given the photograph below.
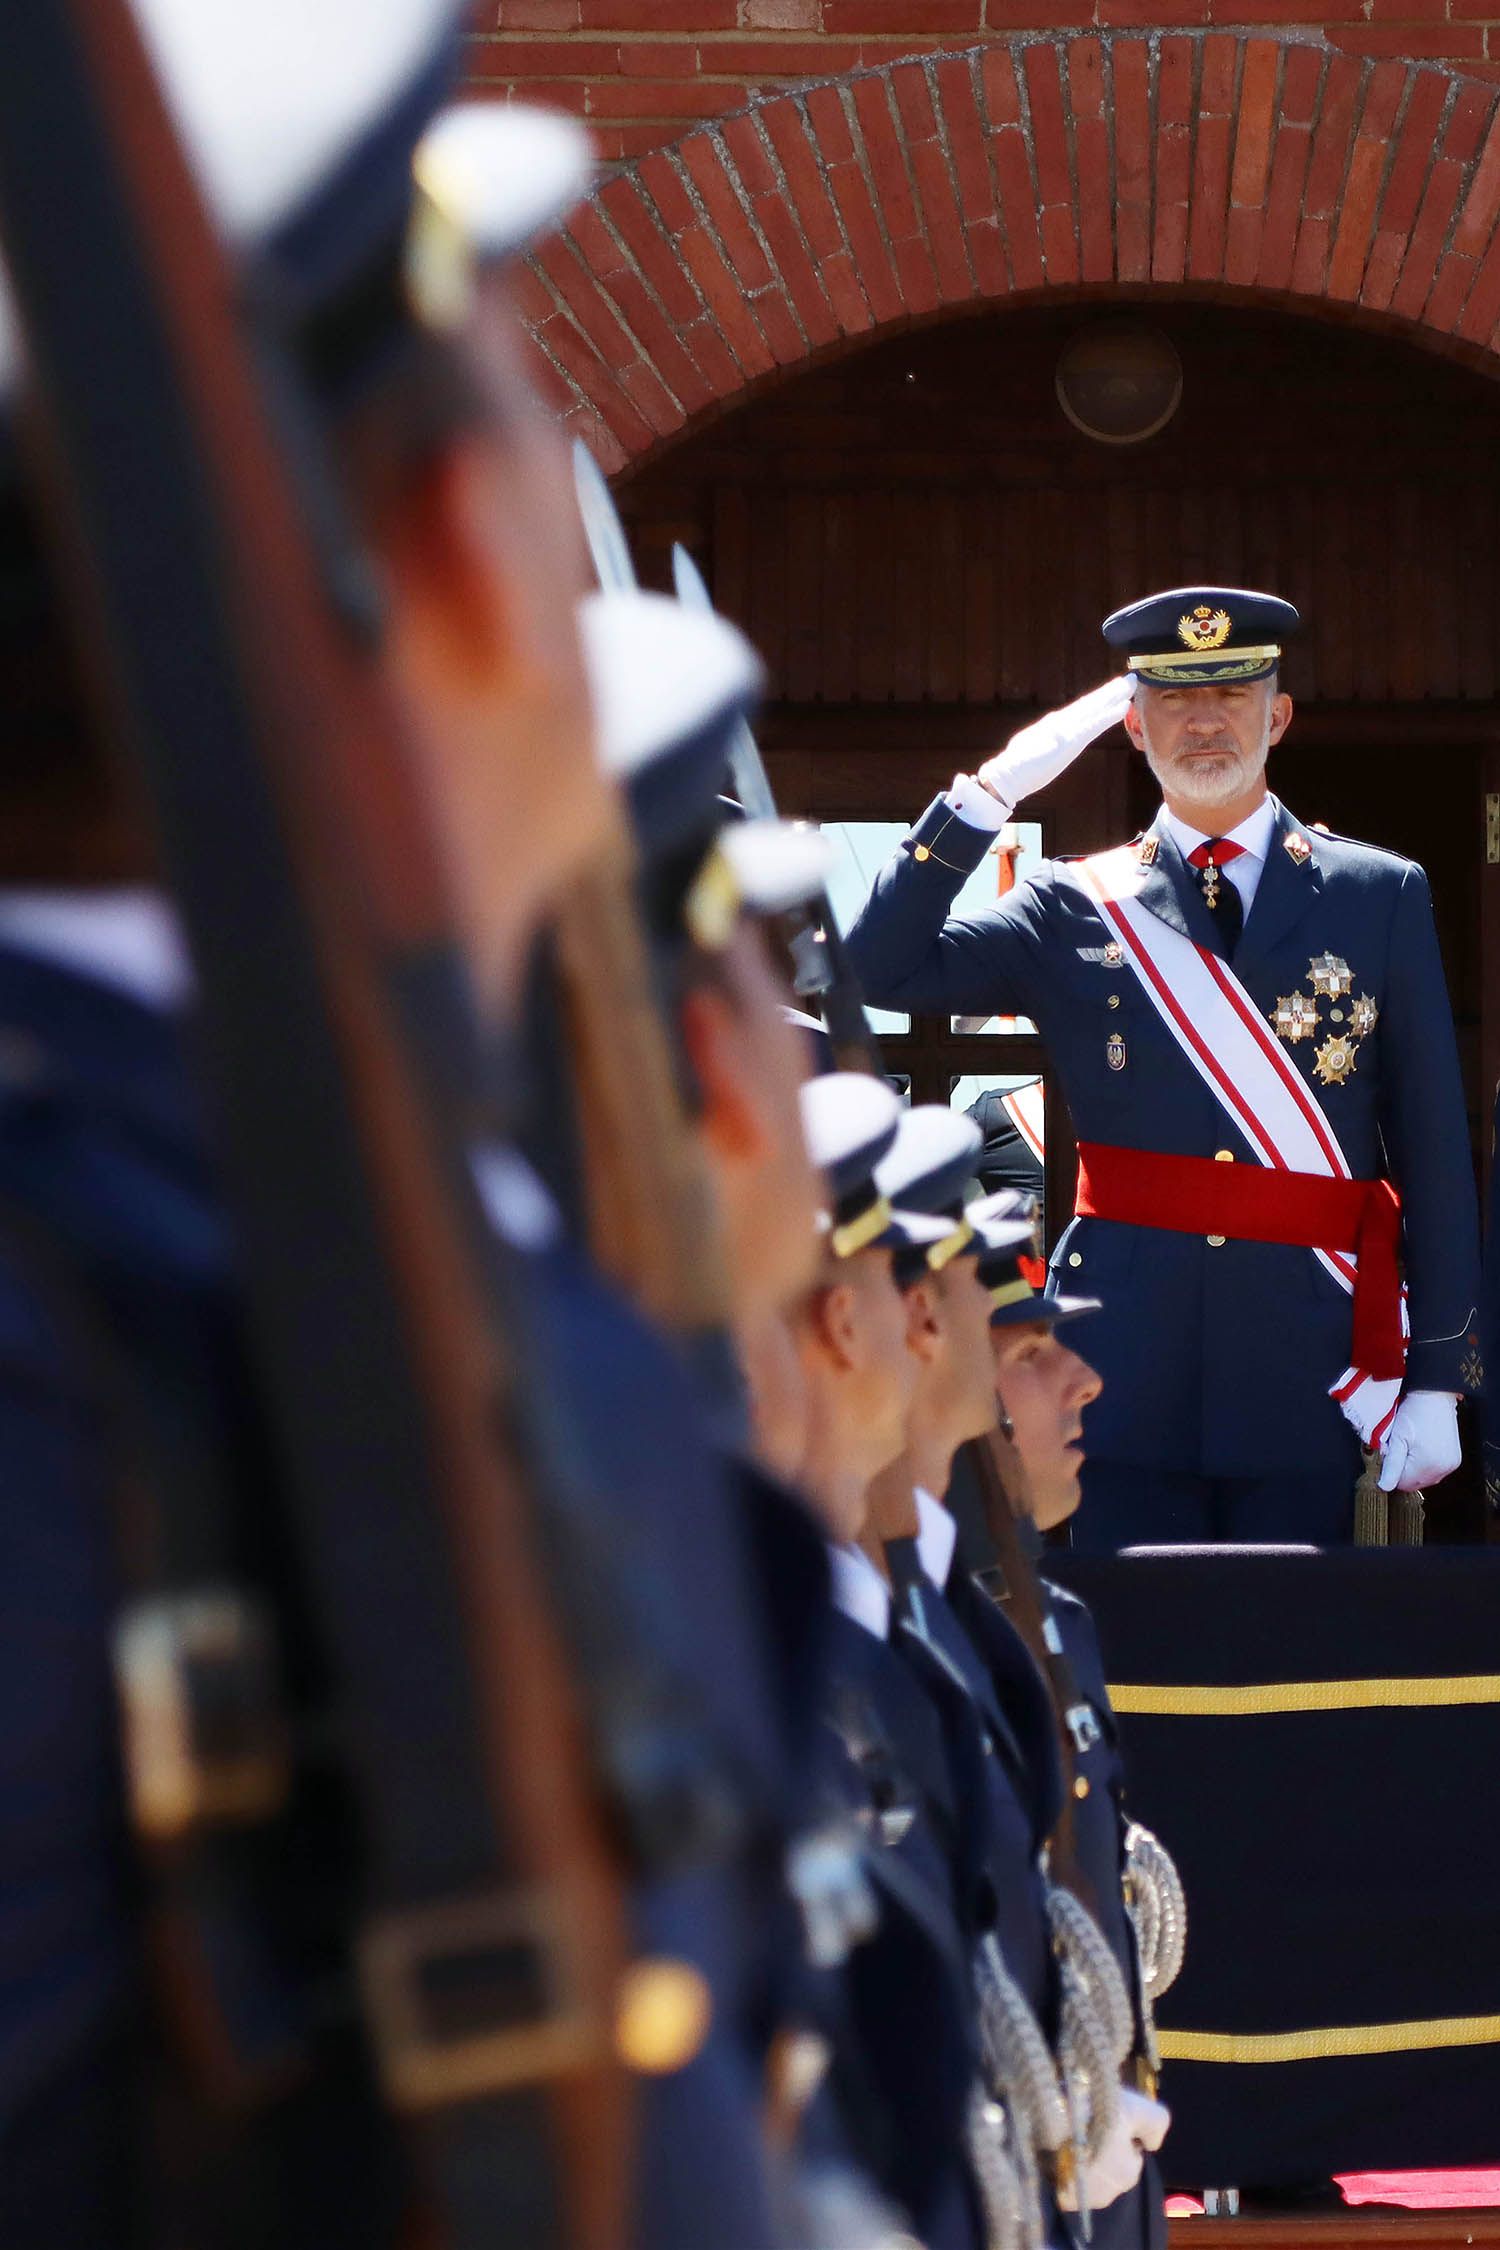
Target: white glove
x=1423 y=1446
x=1040 y=752
x=1110 y=2174
x=1146 y=2120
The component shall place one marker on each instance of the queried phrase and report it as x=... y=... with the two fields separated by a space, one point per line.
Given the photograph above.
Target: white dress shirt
x=937 y=1536
x=1253 y=836
x=859 y=1590
x=128 y=937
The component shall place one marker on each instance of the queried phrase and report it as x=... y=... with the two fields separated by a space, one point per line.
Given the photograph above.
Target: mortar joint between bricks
x=741 y=196
x=862 y=159
x=628 y=170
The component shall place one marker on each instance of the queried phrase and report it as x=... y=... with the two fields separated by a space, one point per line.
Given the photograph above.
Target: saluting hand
x=1040 y=752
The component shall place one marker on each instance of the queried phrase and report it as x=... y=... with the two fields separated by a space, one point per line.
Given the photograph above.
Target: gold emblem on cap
x=662 y=2015
x=1205 y=628
x=1329 y=976
x=1296 y=1017
x=1335 y=1059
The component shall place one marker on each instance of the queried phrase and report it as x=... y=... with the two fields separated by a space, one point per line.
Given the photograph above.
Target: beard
x=1217 y=772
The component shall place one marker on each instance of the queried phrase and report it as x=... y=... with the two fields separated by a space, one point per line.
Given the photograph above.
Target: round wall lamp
x=1119 y=381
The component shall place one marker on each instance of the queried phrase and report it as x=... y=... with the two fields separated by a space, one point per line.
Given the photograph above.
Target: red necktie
x=1222 y=899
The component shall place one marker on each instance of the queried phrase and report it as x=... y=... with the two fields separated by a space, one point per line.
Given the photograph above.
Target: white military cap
x=304 y=121
x=670 y=685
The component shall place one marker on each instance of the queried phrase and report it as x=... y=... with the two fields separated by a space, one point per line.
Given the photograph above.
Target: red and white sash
x=1247 y=1070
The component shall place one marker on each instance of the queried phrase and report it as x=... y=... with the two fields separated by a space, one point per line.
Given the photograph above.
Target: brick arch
x=1219 y=162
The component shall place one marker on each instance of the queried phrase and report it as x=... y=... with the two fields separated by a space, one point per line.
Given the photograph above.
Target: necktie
x=1219 y=894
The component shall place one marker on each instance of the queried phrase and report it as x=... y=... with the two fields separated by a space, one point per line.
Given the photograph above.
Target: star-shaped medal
x=1335 y=1059
x=1295 y=1017
x=1363 y=1016
x=1329 y=976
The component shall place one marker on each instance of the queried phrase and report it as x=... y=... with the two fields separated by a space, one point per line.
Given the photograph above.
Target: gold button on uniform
x=1221 y=1156
x=1075 y=1257
x=662 y=2015
x=920 y=851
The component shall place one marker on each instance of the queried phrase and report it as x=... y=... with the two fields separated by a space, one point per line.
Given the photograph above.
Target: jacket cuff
x=940 y=835
x=1451 y=1363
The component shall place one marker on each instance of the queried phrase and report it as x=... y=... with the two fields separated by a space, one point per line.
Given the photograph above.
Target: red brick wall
x=1269 y=165
x=645 y=71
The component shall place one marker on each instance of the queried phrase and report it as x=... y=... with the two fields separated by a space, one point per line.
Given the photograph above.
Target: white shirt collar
x=1253 y=835
x=937 y=1536
x=128 y=938
x=859 y=1590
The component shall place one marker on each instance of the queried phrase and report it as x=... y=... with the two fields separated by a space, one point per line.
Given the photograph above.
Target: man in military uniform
x=1250 y=1023
x=122 y=1324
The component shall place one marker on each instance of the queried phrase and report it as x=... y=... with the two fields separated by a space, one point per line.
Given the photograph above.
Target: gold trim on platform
x=1326 y=2046
x=1305 y=1695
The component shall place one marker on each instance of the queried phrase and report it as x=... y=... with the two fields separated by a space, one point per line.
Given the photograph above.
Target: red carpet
x=1476 y=2190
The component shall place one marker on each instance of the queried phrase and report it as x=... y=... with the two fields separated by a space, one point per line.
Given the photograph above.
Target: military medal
x=1329 y=976
x=1363 y=1016
x=1296 y=1017
x=1114 y=1051
x=1335 y=1059
x=1211 y=886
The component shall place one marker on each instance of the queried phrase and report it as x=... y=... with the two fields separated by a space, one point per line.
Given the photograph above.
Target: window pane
x=1009 y=1113
x=860 y=849
x=992 y=878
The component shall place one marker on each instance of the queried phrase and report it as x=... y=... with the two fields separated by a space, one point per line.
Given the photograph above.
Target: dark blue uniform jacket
x=1137 y=2220
x=1216 y=1360
x=900 y=2013
x=102 y=1158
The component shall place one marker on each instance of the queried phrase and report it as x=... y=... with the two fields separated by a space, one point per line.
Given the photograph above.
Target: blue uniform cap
x=1006 y=1226
x=932 y=1160
x=670 y=685
x=1196 y=636
x=314 y=129
x=849 y=1121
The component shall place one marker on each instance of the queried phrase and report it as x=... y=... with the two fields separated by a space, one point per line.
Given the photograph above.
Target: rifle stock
x=290 y=830
x=653 y=1224
x=1001 y=1477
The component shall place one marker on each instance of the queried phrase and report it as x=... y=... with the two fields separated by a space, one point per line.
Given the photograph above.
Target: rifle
x=653 y=1224
x=1013 y=1581
x=821 y=968
x=241 y=680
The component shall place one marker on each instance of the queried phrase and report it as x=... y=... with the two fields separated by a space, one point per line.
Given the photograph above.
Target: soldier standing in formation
x=830 y=1777
x=1250 y=1023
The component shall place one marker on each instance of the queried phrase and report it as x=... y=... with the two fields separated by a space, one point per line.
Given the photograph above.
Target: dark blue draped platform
x=1316 y=1737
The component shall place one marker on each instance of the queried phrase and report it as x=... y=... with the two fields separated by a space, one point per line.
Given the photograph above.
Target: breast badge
x=1114 y=1051
x=1335 y=1059
x=1329 y=976
x=1296 y=1017
x=1299 y=1015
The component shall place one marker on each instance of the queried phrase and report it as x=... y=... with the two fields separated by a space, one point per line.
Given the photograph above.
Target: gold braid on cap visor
x=944 y=1252
x=1196 y=668
x=1010 y=1293
x=858 y=1234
